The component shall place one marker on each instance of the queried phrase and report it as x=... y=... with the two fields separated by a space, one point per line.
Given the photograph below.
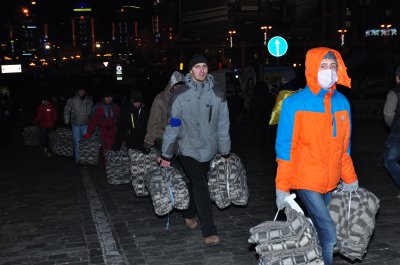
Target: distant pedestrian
x=391 y=113
x=158 y=114
x=76 y=113
x=132 y=123
x=313 y=143
x=46 y=116
x=104 y=118
x=198 y=128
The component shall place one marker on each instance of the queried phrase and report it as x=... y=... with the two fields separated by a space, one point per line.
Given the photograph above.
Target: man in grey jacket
x=197 y=130
x=77 y=112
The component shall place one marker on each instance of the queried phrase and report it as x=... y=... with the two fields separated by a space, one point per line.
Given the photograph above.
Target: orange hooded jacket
x=313 y=139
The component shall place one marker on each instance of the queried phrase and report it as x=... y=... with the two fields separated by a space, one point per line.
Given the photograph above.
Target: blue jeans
x=392 y=156
x=77 y=132
x=317 y=208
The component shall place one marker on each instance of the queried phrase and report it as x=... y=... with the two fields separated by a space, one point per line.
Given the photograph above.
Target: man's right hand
x=164 y=162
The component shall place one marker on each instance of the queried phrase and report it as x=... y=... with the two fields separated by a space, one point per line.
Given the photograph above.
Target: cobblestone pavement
x=53 y=212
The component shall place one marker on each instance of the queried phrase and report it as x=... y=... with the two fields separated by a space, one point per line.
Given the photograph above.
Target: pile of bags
x=227 y=181
x=168 y=190
x=61 y=142
x=354 y=216
x=290 y=242
x=89 y=150
x=31 y=135
x=117 y=165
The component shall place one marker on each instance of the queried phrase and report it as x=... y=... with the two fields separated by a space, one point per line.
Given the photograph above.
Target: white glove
x=350 y=187
x=280 y=199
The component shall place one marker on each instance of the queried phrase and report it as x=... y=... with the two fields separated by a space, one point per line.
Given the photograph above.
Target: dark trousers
x=44 y=138
x=199 y=201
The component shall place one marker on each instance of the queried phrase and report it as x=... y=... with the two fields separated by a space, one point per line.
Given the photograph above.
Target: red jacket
x=104 y=117
x=46 y=115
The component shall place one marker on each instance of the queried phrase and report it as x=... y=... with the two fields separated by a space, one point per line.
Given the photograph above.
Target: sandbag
x=31 y=135
x=354 y=225
x=89 y=150
x=168 y=190
x=227 y=181
x=117 y=165
x=61 y=142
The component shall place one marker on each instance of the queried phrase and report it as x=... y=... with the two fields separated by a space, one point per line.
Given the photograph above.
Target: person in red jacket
x=104 y=117
x=46 y=116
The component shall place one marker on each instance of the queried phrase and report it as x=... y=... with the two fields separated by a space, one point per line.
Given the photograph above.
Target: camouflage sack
x=227 y=181
x=140 y=165
x=117 y=166
x=168 y=190
x=354 y=216
x=89 y=150
x=31 y=136
x=61 y=142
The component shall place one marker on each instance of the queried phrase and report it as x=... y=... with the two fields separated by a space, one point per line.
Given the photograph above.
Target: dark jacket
x=104 y=117
x=131 y=127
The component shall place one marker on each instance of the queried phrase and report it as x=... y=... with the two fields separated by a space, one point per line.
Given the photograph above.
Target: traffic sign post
x=277 y=46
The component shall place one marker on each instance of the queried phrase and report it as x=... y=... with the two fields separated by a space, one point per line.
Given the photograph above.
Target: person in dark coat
x=46 y=116
x=104 y=117
x=132 y=123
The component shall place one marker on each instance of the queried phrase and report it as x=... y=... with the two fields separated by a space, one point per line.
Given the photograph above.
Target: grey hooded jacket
x=199 y=121
x=77 y=111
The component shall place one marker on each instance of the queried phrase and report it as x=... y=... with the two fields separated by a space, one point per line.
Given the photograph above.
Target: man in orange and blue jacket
x=313 y=143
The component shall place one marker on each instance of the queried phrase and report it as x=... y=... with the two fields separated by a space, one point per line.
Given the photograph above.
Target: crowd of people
x=189 y=123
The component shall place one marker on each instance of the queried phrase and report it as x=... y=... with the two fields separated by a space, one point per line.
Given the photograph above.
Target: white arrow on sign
x=277 y=47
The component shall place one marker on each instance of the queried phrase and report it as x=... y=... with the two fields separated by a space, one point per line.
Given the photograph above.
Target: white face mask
x=327 y=78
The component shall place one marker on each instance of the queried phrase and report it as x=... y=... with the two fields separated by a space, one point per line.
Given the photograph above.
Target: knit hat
x=330 y=55
x=136 y=96
x=176 y=77
x=197 y=58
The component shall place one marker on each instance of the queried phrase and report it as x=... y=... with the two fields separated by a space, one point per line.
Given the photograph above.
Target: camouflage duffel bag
x=61 y=142
x=31 y=135
x=354 y=216
x=117 y=166
x=227 y=181
x=168 y=190
x=89 y=150
x=140 y=165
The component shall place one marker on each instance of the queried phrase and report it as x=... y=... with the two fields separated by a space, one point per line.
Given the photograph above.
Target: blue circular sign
x=277 y=46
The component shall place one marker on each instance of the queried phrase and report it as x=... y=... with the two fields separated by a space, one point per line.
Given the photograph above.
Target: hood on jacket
x=176 y=77
x=313 y=59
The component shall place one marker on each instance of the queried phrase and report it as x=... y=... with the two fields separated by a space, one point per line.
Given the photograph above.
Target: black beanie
x=197 y=58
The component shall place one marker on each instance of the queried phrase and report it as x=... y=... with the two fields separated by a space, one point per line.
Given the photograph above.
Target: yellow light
x=78 y=56
x=181 y=66
x=294 y=65
x=32 y=64
x=65 y=58
x=98 y=45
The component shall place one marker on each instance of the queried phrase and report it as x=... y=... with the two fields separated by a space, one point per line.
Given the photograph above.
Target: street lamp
x=342 y=32
x=231 y=33
x=385 y=29
x=265 y=29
